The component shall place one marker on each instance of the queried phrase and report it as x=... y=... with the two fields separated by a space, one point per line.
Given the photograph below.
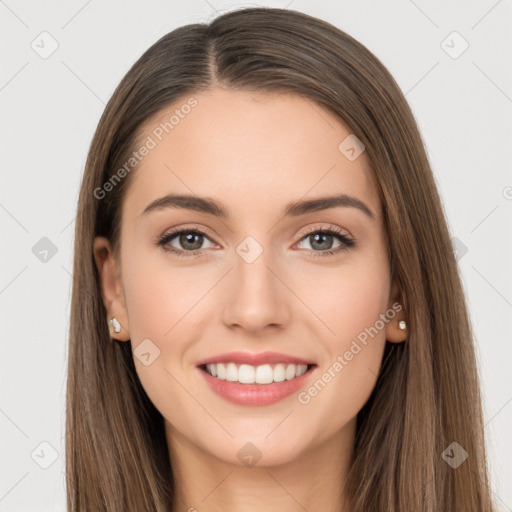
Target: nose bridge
x=256 y=297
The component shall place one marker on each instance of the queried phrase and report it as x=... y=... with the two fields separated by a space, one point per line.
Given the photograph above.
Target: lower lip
x=255 y=394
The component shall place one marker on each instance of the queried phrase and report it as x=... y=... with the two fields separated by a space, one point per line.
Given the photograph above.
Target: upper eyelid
x=174 y=232
x=326 y=228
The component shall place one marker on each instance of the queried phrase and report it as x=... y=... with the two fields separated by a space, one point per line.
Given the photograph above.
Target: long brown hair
x=427 y=395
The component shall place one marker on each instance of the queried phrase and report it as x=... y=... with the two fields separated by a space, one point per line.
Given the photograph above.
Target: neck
x=314 y=480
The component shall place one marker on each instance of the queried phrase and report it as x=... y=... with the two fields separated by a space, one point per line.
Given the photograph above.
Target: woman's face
x=259 y=280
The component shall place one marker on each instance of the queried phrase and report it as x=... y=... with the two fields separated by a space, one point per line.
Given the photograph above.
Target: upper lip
x=254 y=359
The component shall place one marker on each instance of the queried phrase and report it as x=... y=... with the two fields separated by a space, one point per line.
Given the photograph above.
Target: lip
x=254 y=359
x=256 y=394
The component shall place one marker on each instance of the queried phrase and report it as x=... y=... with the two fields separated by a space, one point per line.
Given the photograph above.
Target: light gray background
x=50 y=109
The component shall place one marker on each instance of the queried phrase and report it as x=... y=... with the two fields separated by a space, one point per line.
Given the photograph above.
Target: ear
x=111 y=287
x=393 y=332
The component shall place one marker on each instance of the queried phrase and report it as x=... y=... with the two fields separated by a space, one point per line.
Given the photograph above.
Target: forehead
x=248 y=149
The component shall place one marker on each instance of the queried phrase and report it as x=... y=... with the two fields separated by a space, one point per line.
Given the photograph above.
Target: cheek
x=352 y=348
x=158 y=298
x=160 y=305
x=346 y=300
x=358 y=302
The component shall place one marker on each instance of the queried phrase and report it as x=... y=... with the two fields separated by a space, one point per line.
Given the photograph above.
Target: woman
x=267 y=312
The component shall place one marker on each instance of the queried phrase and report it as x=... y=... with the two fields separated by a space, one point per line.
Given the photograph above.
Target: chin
x=249 y=451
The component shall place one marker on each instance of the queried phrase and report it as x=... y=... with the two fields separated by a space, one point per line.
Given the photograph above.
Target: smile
x=256 y=385
x=262 y=374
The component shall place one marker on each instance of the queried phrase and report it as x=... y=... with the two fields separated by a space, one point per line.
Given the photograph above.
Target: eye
x=322 y=239
x=191 y=240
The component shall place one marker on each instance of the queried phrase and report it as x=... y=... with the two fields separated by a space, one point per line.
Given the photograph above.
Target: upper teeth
x=264 y=374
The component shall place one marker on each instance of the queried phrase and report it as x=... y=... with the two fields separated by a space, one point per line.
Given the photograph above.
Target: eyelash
x=347 y=242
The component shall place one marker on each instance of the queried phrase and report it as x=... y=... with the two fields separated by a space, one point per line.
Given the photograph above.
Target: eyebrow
x=293 y=209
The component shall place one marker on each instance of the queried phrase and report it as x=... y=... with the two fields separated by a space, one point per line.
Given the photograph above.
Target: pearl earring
x=115 y=324
x=402 y=325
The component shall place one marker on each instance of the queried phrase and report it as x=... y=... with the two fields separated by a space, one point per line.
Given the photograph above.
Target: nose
x=255 y=296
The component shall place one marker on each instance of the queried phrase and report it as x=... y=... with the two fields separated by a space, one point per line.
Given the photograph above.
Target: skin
x=254 y=153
